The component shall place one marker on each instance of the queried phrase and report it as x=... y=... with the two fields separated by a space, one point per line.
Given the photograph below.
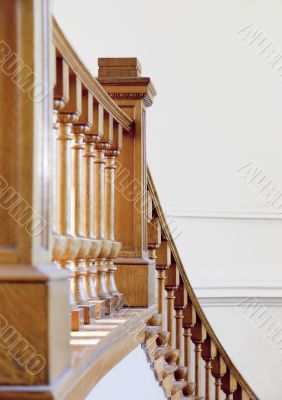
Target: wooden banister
x=245 y=389
x=94 y=139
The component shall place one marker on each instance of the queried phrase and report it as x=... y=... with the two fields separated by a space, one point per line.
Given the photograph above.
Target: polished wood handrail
x=168 y=236
x=91 y=83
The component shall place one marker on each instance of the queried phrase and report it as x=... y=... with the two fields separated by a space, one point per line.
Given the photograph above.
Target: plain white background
x=218 y=107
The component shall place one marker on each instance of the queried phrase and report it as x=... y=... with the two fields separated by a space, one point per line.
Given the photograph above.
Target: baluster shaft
x=198 y=349
x=170 y=315
x=179 y=318
x=217 y=388
x=208 y=368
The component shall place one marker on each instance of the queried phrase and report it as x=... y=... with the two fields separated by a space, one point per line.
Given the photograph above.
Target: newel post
x=34 y=348
x=121 y=78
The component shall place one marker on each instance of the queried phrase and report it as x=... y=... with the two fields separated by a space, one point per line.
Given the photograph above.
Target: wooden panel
x=33 y=326
x=124 y=216
x=137 y=283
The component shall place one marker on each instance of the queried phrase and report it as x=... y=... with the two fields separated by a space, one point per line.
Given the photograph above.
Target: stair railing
x=88 y=130
x=185 y=317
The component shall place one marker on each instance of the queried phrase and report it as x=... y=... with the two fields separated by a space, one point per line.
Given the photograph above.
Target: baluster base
x=109 y=306
x=118 y=301
x=89 y=313
x=77 y=319
x=100 y=308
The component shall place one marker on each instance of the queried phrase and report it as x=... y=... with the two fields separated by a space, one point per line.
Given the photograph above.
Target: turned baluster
x=67 y=104
x=162 y=263
x=240 y=394
x=199 y=335
x=81 y=130
x=189 y=321
x=90 y=138
x=153 y=234
x=181 y=300
x=208 y=354
x=218 y=371
x=77 y=148
x=229 y=385
x=105 y=122
x=110 y=167
x=171 y=284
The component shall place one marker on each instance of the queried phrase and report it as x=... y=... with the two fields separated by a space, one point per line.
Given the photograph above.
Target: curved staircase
x=79 y=294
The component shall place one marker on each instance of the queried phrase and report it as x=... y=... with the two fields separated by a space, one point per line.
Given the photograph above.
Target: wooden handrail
x=165 y=228
x=82 y=188
x=91 y=83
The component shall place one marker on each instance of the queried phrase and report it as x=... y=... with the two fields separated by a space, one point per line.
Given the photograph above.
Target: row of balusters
x=186 y=329
x=87 y=141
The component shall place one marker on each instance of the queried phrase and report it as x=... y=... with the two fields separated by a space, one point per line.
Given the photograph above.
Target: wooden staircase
x=83 y=238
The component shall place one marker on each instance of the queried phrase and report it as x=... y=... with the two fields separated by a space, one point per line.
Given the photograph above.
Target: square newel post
x=34 y=318
x=121 y=78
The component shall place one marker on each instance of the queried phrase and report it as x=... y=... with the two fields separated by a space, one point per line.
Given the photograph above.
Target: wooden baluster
x=80 y=130
x=171 y=284
x=154 y=236
x=106 y=126
x=240 y=394
x=181 y=300
x=208 y=354
x=189 y=321
x=77 y=148
x=229 y=385
x=199 y=335
x=218 y=371
x=110 y=167
x=162 y=264
x=90 y=138
x=65 y=100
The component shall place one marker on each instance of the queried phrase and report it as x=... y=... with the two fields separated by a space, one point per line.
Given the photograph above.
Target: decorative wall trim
x=223 y=294
x=229 y=215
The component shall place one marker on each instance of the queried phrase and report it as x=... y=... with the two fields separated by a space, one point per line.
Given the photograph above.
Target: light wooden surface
x=106 y=343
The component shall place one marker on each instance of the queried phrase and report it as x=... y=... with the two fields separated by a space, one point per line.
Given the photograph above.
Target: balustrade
x=105 y=229
x=190 y=325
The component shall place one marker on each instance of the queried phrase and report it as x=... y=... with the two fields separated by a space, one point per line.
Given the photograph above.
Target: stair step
x=169 y=369
x=163 y=338
x=178 y=386
x=160 y=352
x=155 y=320
x=171 y=355
x=167 y=384
x=158 y=367
x=152 y=330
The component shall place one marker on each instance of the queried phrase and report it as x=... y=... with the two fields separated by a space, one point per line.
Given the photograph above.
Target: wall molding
x=227 y=294
x=259 y=215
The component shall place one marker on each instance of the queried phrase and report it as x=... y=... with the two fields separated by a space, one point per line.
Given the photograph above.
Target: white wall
x=130 y=379
x=218 y=107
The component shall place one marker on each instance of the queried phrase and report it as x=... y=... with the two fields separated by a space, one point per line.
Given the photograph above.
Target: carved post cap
x=119 y=67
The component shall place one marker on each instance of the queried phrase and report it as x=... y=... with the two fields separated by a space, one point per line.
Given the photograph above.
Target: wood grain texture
x=34 y=320
x=90 y=362
x=136 y=282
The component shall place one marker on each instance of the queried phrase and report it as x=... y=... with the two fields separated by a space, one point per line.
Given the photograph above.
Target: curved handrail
x=239 y=378
x=91 y=83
